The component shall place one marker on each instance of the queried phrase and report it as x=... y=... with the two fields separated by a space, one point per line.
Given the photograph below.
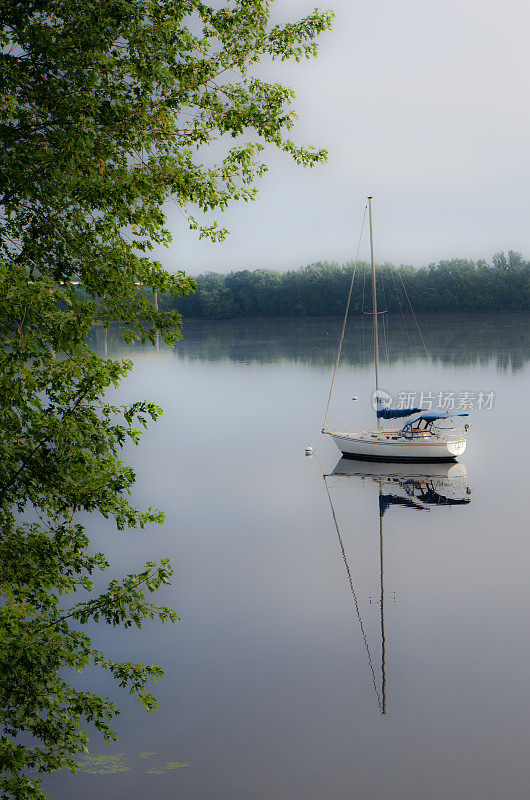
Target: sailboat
x=424 y=438
x=417 y=487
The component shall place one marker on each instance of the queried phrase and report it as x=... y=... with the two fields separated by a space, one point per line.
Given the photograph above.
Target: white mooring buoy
x=309 y=451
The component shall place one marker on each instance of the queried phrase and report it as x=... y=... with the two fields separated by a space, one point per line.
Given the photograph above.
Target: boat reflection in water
x=415 y=486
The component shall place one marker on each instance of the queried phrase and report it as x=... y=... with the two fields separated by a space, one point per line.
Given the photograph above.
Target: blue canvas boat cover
x=432 y=415
x=387 y=500
x=429 y=416
x=395 y=413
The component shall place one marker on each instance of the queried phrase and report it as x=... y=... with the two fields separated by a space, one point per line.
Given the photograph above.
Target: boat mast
x=374 y=310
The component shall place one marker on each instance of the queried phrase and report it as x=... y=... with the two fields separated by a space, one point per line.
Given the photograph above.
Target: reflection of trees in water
x=459 y=340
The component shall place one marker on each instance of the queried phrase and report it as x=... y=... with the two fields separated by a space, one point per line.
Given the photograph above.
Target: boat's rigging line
x=380 y=699
x=384 y=320
x=414 y=316
x=362 y=315
x=343 y=327
x=402 y=312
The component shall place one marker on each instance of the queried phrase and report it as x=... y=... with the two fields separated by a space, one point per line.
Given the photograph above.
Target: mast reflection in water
x=418 y=487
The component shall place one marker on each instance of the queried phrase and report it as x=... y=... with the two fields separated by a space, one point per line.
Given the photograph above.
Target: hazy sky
x=422 y=103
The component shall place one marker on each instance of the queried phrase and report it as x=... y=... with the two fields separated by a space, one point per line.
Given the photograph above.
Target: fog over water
x=421 y=105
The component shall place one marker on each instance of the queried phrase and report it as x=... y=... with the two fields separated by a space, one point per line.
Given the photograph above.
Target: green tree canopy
x=107 y=108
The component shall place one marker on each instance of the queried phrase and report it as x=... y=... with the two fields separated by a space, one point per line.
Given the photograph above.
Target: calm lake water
x=350 y=636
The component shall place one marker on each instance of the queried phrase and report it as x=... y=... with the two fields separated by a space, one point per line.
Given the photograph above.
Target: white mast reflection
x=418 y=487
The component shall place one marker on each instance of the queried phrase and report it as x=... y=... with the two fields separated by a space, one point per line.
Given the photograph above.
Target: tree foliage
x=321 y=289
x=107 y=109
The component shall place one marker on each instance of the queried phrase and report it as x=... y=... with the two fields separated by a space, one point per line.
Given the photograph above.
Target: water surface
x=285 y=681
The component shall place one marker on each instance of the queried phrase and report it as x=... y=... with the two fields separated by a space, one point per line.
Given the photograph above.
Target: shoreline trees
x=321 y=289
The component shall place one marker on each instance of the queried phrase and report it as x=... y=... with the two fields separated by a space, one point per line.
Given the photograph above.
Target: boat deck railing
x=340 y=427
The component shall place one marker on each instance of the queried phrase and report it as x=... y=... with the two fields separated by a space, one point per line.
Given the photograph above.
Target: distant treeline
x=321 y=289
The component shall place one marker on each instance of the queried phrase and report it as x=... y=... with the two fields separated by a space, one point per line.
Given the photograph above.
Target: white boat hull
x=378 y=470
x=389 y=447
